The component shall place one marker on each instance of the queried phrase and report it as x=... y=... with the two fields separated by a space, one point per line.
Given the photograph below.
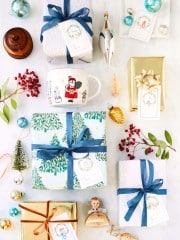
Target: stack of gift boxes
x=69 y=149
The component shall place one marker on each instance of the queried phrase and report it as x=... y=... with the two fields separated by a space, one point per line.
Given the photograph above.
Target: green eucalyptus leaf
x=152 y=137
x=163 y=156
x=167 y=155
x=6 y=112
x=161 y=144
x=168 y=137
x=13 y=103
x=4 y=88
x=3 y=117
x=158 y=153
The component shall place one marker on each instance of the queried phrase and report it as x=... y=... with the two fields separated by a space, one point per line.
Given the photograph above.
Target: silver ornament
x=130 y=11
x=18 y=179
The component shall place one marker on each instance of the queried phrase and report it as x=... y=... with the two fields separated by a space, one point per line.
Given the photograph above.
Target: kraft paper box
x=142 y=193
x=135 y=67
x=54 y=44
x=69 y=150
x=35 y=216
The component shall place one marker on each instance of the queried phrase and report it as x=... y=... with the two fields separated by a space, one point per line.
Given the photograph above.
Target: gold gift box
x=36 y=216
x=135 y=67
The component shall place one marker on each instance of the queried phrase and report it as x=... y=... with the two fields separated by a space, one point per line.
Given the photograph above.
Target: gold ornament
x=16 y=195
x=116 y=114
x=115 y=88
x=5 y=224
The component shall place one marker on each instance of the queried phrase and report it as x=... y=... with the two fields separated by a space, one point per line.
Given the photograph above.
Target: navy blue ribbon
x=56 y=15
x=149 y=185
x=82 y=145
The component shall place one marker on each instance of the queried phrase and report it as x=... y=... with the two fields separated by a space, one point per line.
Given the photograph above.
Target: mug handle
x=98 y=89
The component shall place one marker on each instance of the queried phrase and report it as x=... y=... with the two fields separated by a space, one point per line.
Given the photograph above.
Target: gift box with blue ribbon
x=77 y=15
x=142 y=193
x=69 y=150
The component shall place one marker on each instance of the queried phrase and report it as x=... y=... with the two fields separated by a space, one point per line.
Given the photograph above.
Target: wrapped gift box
x=142 y=181
x=54 y=45
x=68 y=150
x=135 y=67
x=39 y=219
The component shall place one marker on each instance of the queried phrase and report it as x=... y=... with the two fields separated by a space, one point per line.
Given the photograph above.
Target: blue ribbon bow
x=56 y=16
x=149 y=185
x=82 y=145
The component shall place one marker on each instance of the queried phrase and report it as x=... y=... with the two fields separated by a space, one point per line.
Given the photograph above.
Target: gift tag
x=62 y=231
x=156 y=211
x=143 y=26
x=149 y=103
x=76 y=38
x=87 y=170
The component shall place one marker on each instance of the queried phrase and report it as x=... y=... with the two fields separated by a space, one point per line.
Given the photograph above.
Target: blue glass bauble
x=20 y=8
x=152 y=5
x=128 y=20
x=22 y=122
x=13 y=212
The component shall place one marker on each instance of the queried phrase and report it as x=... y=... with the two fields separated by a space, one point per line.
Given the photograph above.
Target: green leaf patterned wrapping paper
x=51 y=131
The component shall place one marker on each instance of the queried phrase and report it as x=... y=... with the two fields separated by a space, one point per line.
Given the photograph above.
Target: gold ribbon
x=147 y=79
x=44 y=224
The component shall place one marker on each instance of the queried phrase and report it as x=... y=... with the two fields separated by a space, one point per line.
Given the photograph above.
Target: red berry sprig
x=136 y=140
x=29 y=82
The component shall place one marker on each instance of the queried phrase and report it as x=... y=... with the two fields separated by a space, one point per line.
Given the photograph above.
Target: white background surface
x=125 y=48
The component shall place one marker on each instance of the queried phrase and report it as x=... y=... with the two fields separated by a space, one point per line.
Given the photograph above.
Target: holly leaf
x=4 y=88
x=152 y=138
x=168 y=137
x=161 y=144
x=158 y=153
x=6 y=112
x=3 y=117
x=13 y=103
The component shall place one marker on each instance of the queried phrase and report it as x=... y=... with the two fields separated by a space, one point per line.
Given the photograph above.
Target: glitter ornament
x=20 y=8
x=13 y=212
x=16 y=195
x=22 y=122
x=152 y=5
x=116 y=114
x=5 y=224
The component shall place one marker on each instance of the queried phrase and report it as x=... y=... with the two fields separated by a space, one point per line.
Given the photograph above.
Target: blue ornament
x=20 y=8
x=128 y=20
x=22 y=122
x=13 y=212
x=152 y=5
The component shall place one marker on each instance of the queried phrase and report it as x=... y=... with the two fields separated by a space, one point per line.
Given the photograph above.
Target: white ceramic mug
x=70 y=87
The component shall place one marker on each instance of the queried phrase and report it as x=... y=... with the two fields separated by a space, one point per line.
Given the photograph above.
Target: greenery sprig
x=27 y=82
x=135 y=141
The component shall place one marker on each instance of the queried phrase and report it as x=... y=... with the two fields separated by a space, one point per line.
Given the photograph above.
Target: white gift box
x=54 y=45
x=130 y=177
